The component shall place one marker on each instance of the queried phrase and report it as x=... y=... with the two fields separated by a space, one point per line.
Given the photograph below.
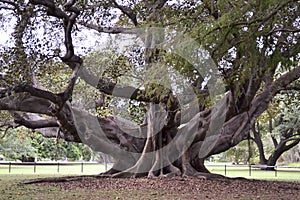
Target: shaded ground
x=178 y=188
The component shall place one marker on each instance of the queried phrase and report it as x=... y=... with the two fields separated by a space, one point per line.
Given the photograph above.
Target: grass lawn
x=11 y=187
x=281 y=174
x=294 y=164
x=54 y=169
x=285 y=174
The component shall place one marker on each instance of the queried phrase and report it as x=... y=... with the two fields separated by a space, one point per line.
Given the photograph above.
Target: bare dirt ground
x=179 y=188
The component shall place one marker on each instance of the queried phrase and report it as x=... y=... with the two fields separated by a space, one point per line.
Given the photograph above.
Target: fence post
x=57 y=167
x=81 y=167
x=275 y=168
x=34 y=167
x=9 y=167
x=249 y=170
x=225 y=170
x=105 y=162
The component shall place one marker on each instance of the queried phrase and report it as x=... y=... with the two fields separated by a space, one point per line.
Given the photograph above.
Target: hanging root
x=183 y=167
x=156 y=157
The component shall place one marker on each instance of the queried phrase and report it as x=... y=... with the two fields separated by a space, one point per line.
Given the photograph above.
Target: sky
x=3 y=37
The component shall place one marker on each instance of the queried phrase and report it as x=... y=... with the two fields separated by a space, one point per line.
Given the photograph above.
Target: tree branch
x=286 y=79
x=6 y=130
x=36 y=123
x=52 y=9
x=67 y=94
x=127 y=11
x=7 y=123
x=260 y=103
x=267 y=17
x=294 y=143
x=9 y=3
x=6 y=8
x=283 y=30
x=27 y=103
x=69 y=58
x=31 y=90
x=297 y=88
x=257 y=20
x=291 y=138
x=111 y=30
x=68 y=21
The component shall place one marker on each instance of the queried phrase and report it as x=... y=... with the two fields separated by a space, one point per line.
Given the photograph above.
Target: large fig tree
x=204 y=71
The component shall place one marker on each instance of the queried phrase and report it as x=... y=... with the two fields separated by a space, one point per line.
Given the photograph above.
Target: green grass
x=294 y=164
x=11 y=187
x=53 y=169
x=281 y=174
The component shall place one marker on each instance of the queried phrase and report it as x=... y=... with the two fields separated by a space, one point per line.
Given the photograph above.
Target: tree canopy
x=197 y=74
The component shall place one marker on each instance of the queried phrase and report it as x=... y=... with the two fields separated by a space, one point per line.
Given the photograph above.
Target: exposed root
x=173 y=171
x=201 y=175
x=59 y=179
x=198 y=164
x=210 y=175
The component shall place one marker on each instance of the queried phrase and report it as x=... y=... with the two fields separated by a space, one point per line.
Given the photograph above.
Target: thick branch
x=27 y=103
x=52 y=9
x=258 y=141
x=111 y=30
x=32 y=91
x=127 y=11
x=237 y=128
x=261 y=101
x=35 y=123
x=69 y=21
x=7 y=123
x=294 y=143
x=292 y=138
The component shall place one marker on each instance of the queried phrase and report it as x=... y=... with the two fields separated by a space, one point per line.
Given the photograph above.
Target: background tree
x=243 y=153
x=16 y=146
x=21 y=144
x=53 y=149
x=281 y=125
x=292 y=156
x=247 y=40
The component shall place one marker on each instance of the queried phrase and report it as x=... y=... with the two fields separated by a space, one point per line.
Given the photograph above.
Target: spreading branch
x=36 y=92
x=110 y=30
x=127 y=11
x=36 y=123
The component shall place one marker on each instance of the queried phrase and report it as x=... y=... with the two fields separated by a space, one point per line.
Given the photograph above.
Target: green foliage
x=17 y=145
x=53 y=76
x=279 y=124
x=240 y=153
x=50 y=148
x=284 y=114
x=21 y=143
x=290 y=117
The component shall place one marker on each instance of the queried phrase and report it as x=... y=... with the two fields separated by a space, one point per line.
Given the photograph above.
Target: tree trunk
x=280 y=147
x=258 y=141
x=279 y=150
x=162 y=146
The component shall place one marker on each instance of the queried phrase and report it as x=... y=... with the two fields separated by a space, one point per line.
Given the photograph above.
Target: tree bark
x=260 y=146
